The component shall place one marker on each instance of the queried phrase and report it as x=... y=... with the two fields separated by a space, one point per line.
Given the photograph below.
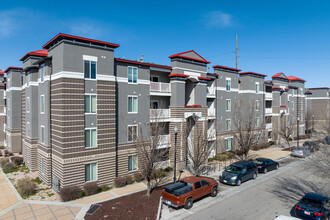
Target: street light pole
x=175 y=137
x=298 y=132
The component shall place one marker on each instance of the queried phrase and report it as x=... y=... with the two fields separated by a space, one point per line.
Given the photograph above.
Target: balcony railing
x=159 y=113
x=160 y=87
x=210 y=90
x=163 y=164
x=269 y=126
x=268 y=110
x=211 y=133
x=211 y=112
x=269 y=95
x=163 y=140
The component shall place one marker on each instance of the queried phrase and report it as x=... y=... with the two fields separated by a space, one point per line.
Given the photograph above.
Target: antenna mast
x=236 y=51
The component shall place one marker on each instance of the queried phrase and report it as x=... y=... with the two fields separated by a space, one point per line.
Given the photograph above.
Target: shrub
x=129 y=180
x=221 y=157
x=17 y=160
x=230 y=155
x=2 y=147
x=120 y=181
x=37 y=180
x=20 y=153
x=26 y=187
x=9 y=166
x=168 y=169
x=91 y=188
x=290 y=139
x=138 y=177
x=104 y=187
x=271 y=143
x=210 y=159
x=11 y=154
x=6 y=152
x=3 y=161
x=69 y=193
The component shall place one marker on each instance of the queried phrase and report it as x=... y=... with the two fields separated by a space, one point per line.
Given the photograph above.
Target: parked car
x=301 y=152
x=238 y=172
x=313 y=206
x=311 y=145
x=264 y=165
x=189 y=189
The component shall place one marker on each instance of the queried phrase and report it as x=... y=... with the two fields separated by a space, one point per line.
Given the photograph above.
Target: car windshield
x=258 y=161
x=299 y=149
x=233 y=169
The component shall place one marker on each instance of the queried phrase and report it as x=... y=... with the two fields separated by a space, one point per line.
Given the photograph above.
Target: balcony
x=159 y=88
x=162 y=164
x=163 y=140
x=211 y=112
x=211 y=133
x=160 y=114
x=269 y=126
x=210 y=92
x=269 y=96
x=268 y=110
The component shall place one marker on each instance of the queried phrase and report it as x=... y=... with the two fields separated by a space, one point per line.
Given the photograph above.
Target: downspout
x=50 y=127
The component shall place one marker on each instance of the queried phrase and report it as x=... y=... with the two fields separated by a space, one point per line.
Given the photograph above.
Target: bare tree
x=286 y=131
x=198 y=150
x=326 y=126
x=309 y=123
x=319 y=162
x=151 y=153
x=248 y=127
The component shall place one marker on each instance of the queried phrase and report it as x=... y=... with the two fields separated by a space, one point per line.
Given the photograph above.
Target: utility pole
x=236 y=51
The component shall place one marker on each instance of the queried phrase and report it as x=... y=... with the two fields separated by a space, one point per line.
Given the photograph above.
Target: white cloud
x=219 y=19
x=85 y=27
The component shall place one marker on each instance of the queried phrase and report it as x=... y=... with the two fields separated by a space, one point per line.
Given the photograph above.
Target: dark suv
x=238 y=172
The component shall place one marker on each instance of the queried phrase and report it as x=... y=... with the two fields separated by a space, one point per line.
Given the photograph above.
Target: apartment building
x=2 y=108
x=13 y=126
x=318 y=107
x=82 y=110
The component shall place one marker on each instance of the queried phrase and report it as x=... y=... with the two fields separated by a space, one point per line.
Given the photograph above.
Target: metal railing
x=268 y=95
x=211 y=112
x=162 y=139
x=160 y=87
x=268 y=110
x=160 y=113
x=210 y=90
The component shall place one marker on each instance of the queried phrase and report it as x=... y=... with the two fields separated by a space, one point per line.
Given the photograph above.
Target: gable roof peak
x=190 y=55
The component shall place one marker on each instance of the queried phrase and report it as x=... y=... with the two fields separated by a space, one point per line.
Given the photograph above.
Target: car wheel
x=214 y=192
x=239 y=182
x=189 y=203
x=265 y=170
x=255 y=176
x=276 y=167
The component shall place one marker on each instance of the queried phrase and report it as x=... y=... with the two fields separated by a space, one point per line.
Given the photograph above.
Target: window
x=132 y=133
x=228 y=124
x=42 y=134
x=42 y=104
x=42 y=73
x=197 y=185
x=205 y=183
x=42 y=165
x=132 y=104
x=132 y=74
x=257 y=87
x=28 y=129
x=132 y=163
x=228 y=144
x=153 y=78
x=257 y=105
x=90 y=103
x=257 y=121
x=28 y=78
x=90 y=69
x=28 y=104
x=228 y=105
x=91 y=172
x=90 y=138
x=228 y=84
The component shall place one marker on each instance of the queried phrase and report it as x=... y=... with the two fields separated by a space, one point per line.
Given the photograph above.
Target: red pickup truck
x=183 y=193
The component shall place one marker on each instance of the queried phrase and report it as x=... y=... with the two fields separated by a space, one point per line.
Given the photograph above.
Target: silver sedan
x=301 y=152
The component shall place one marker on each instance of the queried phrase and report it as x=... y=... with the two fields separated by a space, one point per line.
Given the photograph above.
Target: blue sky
x=273 y=36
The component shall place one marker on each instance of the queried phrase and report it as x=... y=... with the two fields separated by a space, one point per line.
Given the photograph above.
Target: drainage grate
x=93 y=209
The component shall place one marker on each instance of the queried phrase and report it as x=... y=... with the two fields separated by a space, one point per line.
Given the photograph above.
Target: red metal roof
x=276 y=88
x=293 y=78
x=269 y=83
x=82 y=39
x=189 y=58
x=2 y=85
x=144 y=64
x=225 y=67
x=212 y=74
x=204 y=78
x=38 y=53
x=253 y=73
x=1 y=73
x=179 y=75
x=277 y=75
x=11 y=67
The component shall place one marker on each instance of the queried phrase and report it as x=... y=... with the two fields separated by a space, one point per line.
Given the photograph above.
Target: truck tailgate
x=170 y=199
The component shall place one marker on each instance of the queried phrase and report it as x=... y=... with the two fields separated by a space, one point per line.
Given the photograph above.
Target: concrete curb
x=159 y=208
